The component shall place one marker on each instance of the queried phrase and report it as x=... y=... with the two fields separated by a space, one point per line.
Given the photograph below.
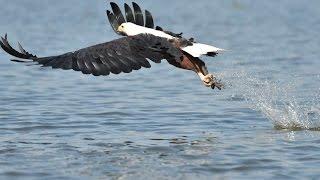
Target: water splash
x=276 y=101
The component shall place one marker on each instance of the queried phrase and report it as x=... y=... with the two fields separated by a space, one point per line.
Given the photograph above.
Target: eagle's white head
x=130 y=29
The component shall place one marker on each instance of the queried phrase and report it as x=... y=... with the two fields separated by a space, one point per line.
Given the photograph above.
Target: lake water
x=162 y=123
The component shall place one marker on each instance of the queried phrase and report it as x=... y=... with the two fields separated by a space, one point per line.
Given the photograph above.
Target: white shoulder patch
x=198 y=49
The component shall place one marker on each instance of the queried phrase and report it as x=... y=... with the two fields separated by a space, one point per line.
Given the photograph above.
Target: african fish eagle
x=142 y=42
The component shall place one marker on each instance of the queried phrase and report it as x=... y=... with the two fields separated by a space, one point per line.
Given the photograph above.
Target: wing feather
x=149 y=20
x=138 y=14
x=117 y=12
x=67 y=64
x=113 y=21
x=129 y=13
x=82 y=66
x=121 y=55
x=133 y=15
x=57 y=63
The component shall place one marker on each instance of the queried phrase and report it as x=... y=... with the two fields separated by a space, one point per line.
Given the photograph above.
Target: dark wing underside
x=121 y=55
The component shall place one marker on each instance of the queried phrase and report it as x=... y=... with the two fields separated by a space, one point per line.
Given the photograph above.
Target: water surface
x=162 y=122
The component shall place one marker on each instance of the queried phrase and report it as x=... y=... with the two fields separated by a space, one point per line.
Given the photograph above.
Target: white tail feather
x=198 y=49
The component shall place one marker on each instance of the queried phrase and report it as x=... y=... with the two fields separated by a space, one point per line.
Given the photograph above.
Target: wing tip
x=126 y=6
x=113 y=4
x=4 y=43
x=4 y=39
x=5 y=36
x=134 y=3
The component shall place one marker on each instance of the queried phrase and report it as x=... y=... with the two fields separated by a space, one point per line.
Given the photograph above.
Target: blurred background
x=162 y=122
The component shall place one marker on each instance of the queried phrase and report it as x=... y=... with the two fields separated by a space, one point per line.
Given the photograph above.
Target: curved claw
x=210 y=81
x=218 y=85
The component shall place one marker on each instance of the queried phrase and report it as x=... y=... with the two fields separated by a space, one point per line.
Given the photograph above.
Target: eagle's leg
x=208 y=79
x=195 y=64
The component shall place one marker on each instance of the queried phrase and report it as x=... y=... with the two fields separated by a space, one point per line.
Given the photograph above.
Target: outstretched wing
x=121 y=55
x=135 y=15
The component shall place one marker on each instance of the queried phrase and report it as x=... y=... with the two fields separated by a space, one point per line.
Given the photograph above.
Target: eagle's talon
x=208 y=80
x=211 y=81
x=219 y=85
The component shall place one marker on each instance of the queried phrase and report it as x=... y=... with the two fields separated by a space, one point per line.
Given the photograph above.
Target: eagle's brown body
x=191 y=63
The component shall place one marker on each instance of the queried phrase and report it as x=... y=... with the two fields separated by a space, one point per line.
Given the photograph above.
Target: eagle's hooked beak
x=121 y=28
